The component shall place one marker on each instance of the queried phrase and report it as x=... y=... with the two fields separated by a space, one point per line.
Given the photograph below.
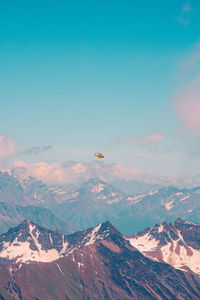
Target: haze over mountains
x=91 y=203
x=98 y=263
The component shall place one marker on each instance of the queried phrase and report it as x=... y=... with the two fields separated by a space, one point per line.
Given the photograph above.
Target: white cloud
x=58 y=173
x=77 y=172
x=8 y=146
x=48 y=173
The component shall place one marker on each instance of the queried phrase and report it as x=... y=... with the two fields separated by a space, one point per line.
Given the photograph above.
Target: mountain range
x=91 y=203
x=100 y=263
x=95 y=201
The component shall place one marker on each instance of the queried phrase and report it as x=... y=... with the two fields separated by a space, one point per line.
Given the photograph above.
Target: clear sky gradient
x=120 y=77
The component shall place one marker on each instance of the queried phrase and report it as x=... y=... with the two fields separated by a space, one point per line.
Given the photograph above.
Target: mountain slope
x=98 y=263
x=165 y=204
x=91 y=203
x=23 y=190
x=177 y=244
x=12 y=215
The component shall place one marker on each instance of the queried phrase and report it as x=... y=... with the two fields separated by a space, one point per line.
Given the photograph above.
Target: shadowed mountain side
x=12 y=215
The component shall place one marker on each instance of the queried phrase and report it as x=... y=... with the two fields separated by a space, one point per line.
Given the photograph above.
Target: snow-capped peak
x=171 y=243
x=29 y=242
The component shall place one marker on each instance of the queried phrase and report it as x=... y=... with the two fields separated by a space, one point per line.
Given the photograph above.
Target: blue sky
x=85 y=76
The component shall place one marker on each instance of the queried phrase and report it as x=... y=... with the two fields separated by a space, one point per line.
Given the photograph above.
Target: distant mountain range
x=100 y=263
x=11 y=215
x=20 y=190
x=134 y=186
x=93 y=202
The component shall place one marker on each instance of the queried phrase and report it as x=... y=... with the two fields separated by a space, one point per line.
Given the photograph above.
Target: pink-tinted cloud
x=187 y=105
x=78 y=172
x=57 y=173
x=152 y=137
x=48 y=173
x=8 y=146
x=186 y=102
x=78 y=168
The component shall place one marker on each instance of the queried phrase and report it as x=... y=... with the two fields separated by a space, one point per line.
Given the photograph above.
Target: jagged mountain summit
x=98 y=263
x=177 y=244
x=30 y=242
x=92 y=202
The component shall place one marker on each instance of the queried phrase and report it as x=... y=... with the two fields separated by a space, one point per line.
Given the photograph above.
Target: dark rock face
x=190 y=233
x=98 y=263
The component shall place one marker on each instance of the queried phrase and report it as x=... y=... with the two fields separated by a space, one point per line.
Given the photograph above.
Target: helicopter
x=99 y=155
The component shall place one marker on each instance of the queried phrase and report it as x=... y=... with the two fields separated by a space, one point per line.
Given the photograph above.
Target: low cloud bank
x=71 y=172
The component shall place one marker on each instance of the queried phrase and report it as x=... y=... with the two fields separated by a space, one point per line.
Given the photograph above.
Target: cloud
x=187 y=108
x=77 y=172
x=48 y=173
x=78 y=168
x=186 y=101
x=61 y=173
x=186 y=7
x=8 y=146
x=185 y=14
x=73 y=172
x=84 y=170
x=36 y=149
x=152 y=138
